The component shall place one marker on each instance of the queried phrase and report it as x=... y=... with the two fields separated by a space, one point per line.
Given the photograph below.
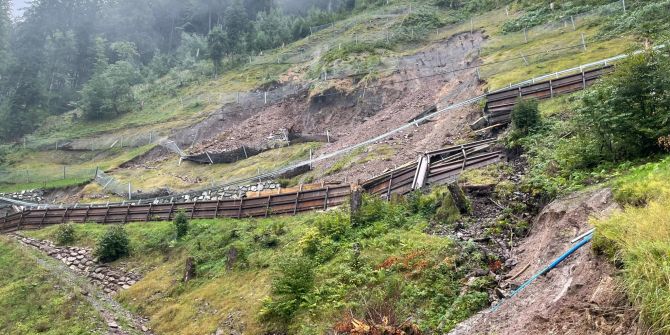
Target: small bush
x=526 y=116
x=113 y=245
x=181 y=225
x=529 y=19
x=294 y=280
x=65 y=234
x=438 y=205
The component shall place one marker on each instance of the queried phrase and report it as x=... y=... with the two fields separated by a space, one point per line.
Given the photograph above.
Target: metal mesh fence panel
x=43 y=177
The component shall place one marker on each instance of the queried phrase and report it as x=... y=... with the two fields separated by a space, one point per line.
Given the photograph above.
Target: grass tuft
x=639 y=239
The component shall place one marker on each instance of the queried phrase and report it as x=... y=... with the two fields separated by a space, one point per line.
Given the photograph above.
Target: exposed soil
x=580 y=296
x=353 y=113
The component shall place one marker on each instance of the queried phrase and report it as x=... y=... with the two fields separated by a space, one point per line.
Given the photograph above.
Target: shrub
x=626 y=113
x=181 y=225
x=438 y=204
x=526 y=116
x=650 y=20
x=294 y=280
x=65 y=234
x=113 y=245
x=377 y=210
x=529 y=19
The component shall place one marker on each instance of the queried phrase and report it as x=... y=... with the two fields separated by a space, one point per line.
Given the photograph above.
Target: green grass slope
x=306 y=274
x=33 y=302
x=639 y=240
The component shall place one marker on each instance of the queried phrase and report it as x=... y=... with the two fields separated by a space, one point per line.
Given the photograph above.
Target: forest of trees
x=87 y=54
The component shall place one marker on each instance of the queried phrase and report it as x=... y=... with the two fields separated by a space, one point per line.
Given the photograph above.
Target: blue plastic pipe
x=553 y=264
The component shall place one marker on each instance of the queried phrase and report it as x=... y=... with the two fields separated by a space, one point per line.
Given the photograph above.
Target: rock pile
x=34 y=196
x=228 y=192
x=82 y=262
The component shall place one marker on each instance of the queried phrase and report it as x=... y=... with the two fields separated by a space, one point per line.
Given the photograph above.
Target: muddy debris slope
x=577 y=297
x=352 y=112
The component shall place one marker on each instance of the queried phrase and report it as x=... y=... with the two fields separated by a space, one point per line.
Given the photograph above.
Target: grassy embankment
x=34 y=302
x=305 y=274
x=535 y=45
x=639 y=240
x=189 y=175
x=31 y=169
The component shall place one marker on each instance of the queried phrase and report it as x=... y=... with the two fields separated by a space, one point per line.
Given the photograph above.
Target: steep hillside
x=325 y=98
x=359 y=78
x=304 y=274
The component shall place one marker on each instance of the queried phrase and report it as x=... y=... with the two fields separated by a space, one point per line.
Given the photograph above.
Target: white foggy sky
x=18 y=6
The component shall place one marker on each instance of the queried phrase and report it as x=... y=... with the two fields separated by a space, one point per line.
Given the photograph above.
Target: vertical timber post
x=525 y=35
x=356 y=202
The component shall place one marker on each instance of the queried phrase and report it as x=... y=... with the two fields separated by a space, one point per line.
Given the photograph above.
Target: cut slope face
x=352 y=112
x=375 y=107
x=577 y=297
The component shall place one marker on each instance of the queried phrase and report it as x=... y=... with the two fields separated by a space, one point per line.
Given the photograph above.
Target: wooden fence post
x=46 y=211
x=355 y=202
x=195 y=202
x=21 y=220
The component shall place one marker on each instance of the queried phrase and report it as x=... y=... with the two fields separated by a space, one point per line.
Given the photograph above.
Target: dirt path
x=119 y=321
x=580 y=296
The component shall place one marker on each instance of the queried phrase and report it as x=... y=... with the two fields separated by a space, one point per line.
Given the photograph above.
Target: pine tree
x=217 y=43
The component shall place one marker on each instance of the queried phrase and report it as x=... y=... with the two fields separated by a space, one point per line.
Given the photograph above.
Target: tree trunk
x=355 y=202
x=459 y=198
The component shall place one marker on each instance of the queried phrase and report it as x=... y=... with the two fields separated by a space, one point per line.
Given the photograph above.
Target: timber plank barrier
x=276 y=204
x=499 y=104
x=432 y=168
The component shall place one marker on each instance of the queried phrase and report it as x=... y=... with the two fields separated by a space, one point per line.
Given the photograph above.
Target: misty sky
x=18 y=6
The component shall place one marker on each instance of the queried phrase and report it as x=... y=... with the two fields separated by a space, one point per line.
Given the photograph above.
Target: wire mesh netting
x=44 y=177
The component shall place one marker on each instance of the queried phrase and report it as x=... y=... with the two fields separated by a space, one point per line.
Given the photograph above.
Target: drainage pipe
x=553 y=264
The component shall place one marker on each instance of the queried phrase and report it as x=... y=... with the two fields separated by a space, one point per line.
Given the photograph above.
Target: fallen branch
x=516 y=275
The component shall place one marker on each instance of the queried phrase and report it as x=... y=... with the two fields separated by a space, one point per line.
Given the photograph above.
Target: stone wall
x=228 y=192
x=34 y=196
x=81 y=261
